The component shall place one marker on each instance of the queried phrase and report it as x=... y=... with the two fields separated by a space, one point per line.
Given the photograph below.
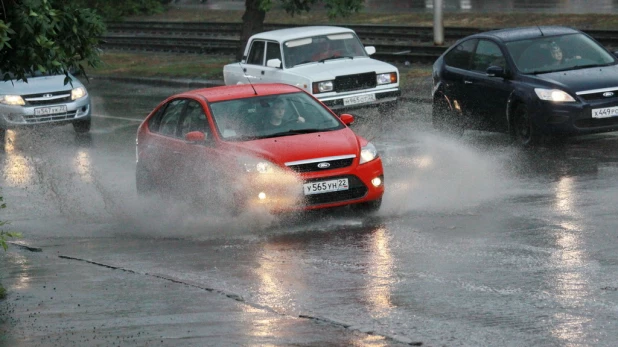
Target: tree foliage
x=118 y=9
x=255 y=13
x=51 y=36
x=5 y=234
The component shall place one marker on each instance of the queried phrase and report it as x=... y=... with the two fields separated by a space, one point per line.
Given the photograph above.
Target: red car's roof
x=240 y=91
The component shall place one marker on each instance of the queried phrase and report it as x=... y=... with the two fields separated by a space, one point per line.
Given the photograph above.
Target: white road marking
x=121 y=118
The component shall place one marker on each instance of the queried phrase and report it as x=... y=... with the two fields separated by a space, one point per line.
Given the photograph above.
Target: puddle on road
x=93 y=181
x=438 y=173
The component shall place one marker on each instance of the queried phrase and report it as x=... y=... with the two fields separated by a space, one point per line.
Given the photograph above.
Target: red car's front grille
x=333 y=164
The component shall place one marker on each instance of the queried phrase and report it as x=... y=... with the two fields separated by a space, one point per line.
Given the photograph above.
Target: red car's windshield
x=271 y=116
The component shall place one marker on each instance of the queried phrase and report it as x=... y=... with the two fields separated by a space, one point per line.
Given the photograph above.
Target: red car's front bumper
x=284 y=192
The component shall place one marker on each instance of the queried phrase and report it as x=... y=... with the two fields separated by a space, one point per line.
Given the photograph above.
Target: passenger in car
x=558 y=56
x=325 y=50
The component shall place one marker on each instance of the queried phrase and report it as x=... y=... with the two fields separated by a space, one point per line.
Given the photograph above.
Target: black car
x=533 y=83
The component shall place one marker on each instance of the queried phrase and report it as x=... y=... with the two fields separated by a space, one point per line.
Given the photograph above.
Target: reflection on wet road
x=478 y=243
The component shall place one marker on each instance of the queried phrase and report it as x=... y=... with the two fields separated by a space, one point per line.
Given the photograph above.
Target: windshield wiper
x=584 y=66
x=297 y=132
x=335 y=57
x=569 y=68
x=304 y=62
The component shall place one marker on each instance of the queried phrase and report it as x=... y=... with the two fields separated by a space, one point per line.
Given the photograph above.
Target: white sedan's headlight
x=386 y=78
x=14 y=100
x=555 y=95
x=368 y=153
x=258 y=165
x=78 y=93
x=322 y=87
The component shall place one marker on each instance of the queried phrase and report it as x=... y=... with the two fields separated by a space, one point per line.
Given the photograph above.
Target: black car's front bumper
x=573 y=118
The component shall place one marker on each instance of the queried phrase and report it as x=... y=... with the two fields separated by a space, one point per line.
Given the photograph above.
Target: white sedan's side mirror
x=370 y=50
x=274 y=63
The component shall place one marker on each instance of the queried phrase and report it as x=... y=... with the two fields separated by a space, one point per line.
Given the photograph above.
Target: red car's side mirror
x=195 y=136
x=347 y=119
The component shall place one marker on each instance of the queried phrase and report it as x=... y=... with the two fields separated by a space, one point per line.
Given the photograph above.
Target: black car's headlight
x=555 y=95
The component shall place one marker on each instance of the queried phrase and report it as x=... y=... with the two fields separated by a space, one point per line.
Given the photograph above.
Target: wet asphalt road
x=478 y=243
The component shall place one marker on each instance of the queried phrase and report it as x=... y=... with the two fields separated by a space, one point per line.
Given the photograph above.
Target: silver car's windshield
x=320 y=48
x=558 y=53
x=271 y=116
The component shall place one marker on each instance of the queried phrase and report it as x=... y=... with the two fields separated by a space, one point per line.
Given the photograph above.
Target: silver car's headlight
x=322 y=87
x=368 y=153
x=14 y=100
x=555 y=95
x=386 y=78
x=78 y=93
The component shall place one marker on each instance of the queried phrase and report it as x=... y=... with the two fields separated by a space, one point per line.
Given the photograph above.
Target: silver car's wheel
x=82 y=126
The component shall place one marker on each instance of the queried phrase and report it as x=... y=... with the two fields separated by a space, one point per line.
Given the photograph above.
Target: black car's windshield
x=271 y=116
x=558 y=53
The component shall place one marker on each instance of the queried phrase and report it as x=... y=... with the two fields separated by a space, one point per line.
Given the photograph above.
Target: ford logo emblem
x=608 y=94
x=47 y=95
x=323 y=165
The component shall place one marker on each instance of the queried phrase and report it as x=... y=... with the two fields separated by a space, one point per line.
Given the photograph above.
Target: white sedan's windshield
x=558 y=53
x=319 y=48
x=271 y=116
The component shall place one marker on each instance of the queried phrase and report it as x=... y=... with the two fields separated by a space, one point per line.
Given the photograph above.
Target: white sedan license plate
x=359 y=99
x=326 y=186
x=43 y=111
x=605 y=112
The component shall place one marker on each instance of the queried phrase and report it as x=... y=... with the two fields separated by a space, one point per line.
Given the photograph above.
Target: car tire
x=82 y=126
x=368 y=207
x=524 y=132
x=143 y=181
x=445 y=120
x=2 y=137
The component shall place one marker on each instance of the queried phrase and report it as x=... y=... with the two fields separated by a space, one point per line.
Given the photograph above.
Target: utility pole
x=438 y=23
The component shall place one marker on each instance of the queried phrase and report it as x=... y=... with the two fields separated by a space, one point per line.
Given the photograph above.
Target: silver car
x=44 y=99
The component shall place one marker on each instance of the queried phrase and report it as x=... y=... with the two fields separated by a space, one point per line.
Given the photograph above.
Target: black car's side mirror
x=496 y=71
x=616 y=53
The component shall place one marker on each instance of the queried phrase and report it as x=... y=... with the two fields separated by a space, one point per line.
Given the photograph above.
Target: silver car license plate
x=44 y=111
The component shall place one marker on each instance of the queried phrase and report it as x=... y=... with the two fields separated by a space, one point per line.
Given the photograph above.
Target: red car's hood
x=281 y=150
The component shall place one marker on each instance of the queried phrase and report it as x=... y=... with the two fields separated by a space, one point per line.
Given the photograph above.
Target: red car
x=270 y=145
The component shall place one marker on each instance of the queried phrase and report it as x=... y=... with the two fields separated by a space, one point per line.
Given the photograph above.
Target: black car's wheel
x=445 y=119
x=143 y=181
x=2 y=137
x=82 y=126
x=368 y=207
x=524 y=132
